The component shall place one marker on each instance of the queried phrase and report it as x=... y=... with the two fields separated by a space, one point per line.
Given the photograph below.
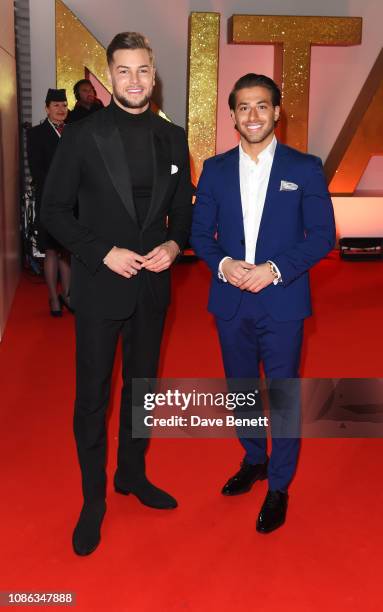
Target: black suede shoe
x=86 y=536
x=273 y=511
x=148 y=494
x=244 y=479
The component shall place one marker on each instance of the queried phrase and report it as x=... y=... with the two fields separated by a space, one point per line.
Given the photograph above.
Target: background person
x=86 y=101
x=42 y=141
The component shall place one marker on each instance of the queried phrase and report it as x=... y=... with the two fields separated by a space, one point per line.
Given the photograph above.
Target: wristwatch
x=275 y=272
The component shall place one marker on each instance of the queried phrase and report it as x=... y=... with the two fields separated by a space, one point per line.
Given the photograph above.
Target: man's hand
x=161 y=257
x=124 y=262
x=256 y=279
x=235 y=269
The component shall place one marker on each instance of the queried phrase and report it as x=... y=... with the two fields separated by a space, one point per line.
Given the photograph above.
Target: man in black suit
x=129 y=170
x=86 y=101
x=42 y=141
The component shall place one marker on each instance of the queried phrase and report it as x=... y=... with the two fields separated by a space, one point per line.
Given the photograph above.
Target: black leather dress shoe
x=148 y=494
x=86 y=536
x=273 y=511
x=244 y=479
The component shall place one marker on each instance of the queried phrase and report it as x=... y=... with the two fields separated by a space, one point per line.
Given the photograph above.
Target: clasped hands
x=128 y=263
x=246 y=276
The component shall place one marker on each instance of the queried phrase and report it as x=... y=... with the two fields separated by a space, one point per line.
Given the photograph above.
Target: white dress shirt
x=254 y=179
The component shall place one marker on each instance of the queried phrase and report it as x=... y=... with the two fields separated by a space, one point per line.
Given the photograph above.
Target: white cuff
x=278 y=279
x=221 y=275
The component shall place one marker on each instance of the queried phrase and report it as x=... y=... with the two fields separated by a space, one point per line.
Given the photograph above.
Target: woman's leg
x=64 y=268
x=50 y=274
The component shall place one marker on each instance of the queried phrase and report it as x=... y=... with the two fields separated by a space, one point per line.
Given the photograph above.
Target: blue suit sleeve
x=319 y=225
x=205 y=222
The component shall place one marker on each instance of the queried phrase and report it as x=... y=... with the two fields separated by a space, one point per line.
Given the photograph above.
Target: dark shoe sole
x=127 y=492
x=56 y=314
x=273 y=528
x=86 y=552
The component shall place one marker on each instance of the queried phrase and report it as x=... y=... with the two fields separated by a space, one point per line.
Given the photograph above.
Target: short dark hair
x=255 y=80
x=76 y=87
x=128 y=40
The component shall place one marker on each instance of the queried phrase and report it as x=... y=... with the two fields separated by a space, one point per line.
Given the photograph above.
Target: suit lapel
x=276 y=175
x=110 y=145
x=161 y=167
x=233 y=188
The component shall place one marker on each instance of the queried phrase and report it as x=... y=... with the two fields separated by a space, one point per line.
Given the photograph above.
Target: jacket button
x=242 y=242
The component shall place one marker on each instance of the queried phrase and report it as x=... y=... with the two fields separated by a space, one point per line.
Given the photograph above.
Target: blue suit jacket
x=297 y=229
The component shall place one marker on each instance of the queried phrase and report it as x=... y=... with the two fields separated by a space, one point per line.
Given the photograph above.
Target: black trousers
x=96 y=341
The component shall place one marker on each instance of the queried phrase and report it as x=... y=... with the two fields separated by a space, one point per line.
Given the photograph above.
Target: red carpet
x=206 y=555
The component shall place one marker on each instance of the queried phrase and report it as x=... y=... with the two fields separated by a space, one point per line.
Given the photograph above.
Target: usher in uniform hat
x=55 y=95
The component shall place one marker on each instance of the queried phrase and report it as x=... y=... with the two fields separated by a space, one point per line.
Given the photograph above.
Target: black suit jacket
x=90 y=167
x=42 y=141
x=81 y=112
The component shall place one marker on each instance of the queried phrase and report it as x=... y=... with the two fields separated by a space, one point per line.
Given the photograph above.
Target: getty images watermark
x=213 y=408
x=250 y=408
x=188 y=401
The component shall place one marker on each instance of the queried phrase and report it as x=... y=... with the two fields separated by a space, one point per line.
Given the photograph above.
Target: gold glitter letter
x=293 y=37
x=203 y=85
x=361 y=136
x=76 y=49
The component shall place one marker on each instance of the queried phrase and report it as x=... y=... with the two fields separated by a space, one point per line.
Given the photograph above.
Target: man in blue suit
x=263 y=217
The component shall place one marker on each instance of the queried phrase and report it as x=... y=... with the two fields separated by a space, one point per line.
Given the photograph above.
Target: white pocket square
x=286 y=186
x=173 y=169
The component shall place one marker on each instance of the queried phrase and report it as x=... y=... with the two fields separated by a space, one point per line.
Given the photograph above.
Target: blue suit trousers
x=252 y=337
